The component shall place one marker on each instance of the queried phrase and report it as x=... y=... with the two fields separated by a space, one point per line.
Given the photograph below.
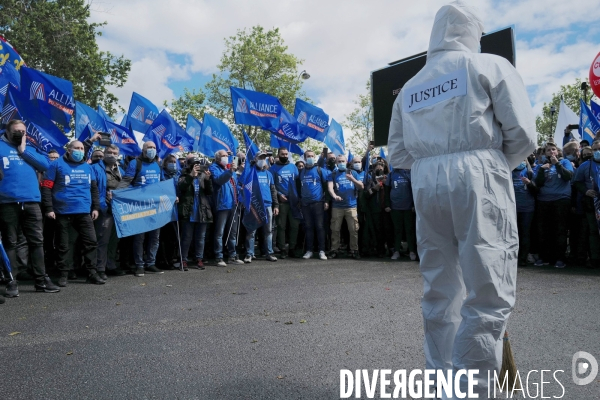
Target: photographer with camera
x=378 y=226
x=194 y=209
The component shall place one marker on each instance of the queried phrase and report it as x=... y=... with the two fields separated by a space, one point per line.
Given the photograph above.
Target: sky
x=178 y=43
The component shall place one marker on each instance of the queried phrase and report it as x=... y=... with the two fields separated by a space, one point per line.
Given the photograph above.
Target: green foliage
x=256 y=60
x=360 y=123
x=56 y=37
x=187 y=103
x=546 y=123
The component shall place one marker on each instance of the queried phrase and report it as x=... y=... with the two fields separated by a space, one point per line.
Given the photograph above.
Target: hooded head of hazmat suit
x=462 y=124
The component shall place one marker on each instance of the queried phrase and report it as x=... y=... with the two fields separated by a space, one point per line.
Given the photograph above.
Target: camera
x=198 y=161
x=104 y=139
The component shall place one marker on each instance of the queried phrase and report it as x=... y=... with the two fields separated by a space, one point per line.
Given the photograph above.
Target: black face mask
x=96 y=161
x=17 y=138
x=331 y=162
x=586 y=158
x=283 y=160
x=378 y=172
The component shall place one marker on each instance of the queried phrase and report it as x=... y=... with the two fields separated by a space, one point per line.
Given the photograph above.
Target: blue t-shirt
x=555 y=188
x=587 y=173
x=20 y=183
x=284 y=176
x=312 y=185
x=401 y=197
x=343 y=187
x=523 y=197
x=265 y=180
x=72 y=190
x=149 y=174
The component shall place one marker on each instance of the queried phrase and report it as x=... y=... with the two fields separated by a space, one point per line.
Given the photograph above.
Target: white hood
x=457 y=27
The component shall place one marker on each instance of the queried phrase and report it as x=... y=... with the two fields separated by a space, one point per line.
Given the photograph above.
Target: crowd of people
x=56 y=219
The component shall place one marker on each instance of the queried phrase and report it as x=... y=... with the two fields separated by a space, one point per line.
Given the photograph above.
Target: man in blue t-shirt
x=343 y=185
x=285 y=174
x=70 y=196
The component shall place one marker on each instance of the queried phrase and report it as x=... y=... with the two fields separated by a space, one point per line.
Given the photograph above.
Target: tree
x=255 y=60
x=187 y=103
x=54 y=36
x=360 y=123
x=546 y=123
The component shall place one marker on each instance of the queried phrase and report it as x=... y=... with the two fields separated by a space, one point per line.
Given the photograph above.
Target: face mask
x=283 y=160
x=586 y=157
x=172 y=167
x=310 y=161
x=261 y=163
x=17 y=138
x=357 y=167
x=150 y=153
x=109 y=159
x=342 y=166
x=77 y=155
x=96 y=161
x=531 y=160
x=331 y=162
x=597 y=155
x=378 y=172
x=223 y=161
x=521 y=166
x=571 y=157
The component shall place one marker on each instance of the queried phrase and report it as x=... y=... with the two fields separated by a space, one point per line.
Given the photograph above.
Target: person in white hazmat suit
x=462 y=124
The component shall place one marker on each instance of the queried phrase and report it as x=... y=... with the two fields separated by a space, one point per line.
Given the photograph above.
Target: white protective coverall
x=462 y=124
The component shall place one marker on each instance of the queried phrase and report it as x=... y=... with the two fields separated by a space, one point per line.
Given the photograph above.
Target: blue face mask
x=172 y=167
x=77 y=155
x=310 y=161
x=150 y=153
x=341 y=166
x=261 y=163
x=571 y=157
x=597 y=155
x=521 y=166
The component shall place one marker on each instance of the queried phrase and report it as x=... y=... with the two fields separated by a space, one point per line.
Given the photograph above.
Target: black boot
x=46 y=285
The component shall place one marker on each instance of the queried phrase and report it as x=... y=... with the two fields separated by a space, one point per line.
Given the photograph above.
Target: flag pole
x=179 y=242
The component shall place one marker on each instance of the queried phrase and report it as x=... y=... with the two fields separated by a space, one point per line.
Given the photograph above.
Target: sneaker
x=560 y=264
x=221 y=263
x=72 y=275
x=153 y=270
x=271 y=257
x=139 y=271
x=540 y=263
x=46 y=286
x=200 y=264
x=248 y=259
x=62 y=281
x=322 y=255
x=333 y=254
x=283 y=254
x=103 y=276
x=355 y=255
x=396 y=255
x=234 y=260
x=95 y=279
x=307 y=255
x=12 y=290
x=413 y=256
x=530 y=258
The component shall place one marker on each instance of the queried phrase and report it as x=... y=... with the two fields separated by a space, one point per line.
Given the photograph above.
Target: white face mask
x=261 y=163
x=224 y=160
x=357 y=166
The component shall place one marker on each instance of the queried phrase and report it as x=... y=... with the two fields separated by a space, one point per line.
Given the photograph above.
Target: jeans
x=524 y=220
x=195 y=231
x=553 y=225
x=268 y=236
x=105 y=229
x=144 y=251
x=226 y=223
x=84 y=226
x=337 y=217
x=25 y=217
x=404 y=222
x=313 y=219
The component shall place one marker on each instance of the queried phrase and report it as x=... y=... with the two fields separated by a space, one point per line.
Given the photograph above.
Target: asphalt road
x=267 y=331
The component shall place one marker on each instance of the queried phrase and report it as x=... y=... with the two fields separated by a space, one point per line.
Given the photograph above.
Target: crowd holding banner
x=109 y=207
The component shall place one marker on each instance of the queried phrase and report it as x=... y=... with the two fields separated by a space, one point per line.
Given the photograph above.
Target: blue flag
x=334 y=139
x=143 y=209
x=255 y=108
x=288 y=128
x=41 y=131
x=595 y=109
x=84 y=116
x=256 y=213
x=103 y=114
x=8 y=75
x=277 y=142
x=312 y=121
x=588 y=124
x=215 y=136
x=193 y=127
x=125 y=121
x=186 y=142
x=166 y=134
x=56 y=92
x=251 y=147
x=124 y=139
x=85 y=134
x=350 y=156
x=141 y=113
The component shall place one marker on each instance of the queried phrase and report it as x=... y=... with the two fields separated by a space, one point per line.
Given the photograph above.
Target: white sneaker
x=322 y=255
x=307 y=255
x=396 y=255
x=530 y=259
x=248 y=259
x=221 y=263
x=413 y=256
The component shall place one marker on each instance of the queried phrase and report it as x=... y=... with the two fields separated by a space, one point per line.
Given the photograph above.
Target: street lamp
x=304 y=75
x=584 y=88
x=552 y=111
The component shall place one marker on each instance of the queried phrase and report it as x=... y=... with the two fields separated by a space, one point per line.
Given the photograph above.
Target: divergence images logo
x=302 y=119
x=165 y=204
x=138 y=113
x=241 y=106
x=37 y=91
x=580 y=368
